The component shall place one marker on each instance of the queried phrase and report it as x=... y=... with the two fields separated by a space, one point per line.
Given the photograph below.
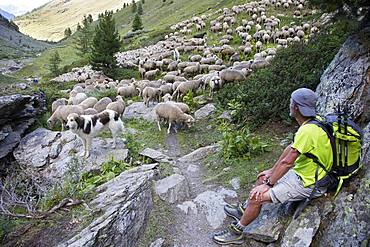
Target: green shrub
x=189 y=100
x=265 y=95
x=240 y=143
x=110 y=93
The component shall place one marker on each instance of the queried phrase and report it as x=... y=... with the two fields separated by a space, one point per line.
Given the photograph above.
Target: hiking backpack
x=346 y=141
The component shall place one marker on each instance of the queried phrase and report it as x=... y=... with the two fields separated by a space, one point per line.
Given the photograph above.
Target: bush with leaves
x=265 y=95
x=236 y=143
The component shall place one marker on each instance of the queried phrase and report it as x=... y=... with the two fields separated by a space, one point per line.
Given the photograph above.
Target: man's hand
x=258 y=191
x=265 y=174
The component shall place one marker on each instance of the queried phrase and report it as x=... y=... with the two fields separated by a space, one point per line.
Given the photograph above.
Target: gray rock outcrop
x=52 y=152
x=154 y=155
x=200 y=153
x=124 y=204
x=18 y=113
x=205 y=111
x=172 y=189
x=347 y=79
x=139 y=110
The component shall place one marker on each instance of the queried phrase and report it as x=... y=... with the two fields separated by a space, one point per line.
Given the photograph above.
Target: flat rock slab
x=155 y=155
x=205 y=111
x=267 y=227
x=52 y=152
x=139 y=110
x=212 y=203
x=158 y=243
x=200 y=154
x=172 y=189
x=301 y=231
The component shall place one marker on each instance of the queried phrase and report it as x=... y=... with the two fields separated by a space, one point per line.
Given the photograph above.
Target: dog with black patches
x=88 y=126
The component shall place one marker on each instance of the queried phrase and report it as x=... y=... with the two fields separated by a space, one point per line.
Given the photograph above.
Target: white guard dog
x=88 y=126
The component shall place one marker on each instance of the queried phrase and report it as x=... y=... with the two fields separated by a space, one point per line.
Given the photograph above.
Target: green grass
x=203 y=133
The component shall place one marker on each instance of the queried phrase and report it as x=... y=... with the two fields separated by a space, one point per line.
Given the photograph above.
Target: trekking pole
x=340 y=131
x=345 y=119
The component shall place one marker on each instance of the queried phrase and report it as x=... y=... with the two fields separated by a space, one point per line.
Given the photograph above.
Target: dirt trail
x=201 y=214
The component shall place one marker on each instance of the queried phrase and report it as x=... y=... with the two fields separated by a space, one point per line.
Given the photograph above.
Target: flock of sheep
x=249 y=39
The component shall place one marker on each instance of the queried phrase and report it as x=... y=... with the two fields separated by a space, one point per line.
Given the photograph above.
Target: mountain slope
x=50 y=20
x=14 y=44
x=7 y=15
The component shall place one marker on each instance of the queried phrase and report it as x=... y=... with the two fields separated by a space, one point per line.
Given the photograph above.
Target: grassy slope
x=157 y=18
x=49 y=21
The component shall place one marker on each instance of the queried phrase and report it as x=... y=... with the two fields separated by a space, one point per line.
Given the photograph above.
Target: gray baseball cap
x=306 y=100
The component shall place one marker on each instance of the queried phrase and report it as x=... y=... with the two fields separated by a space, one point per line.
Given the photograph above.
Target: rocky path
x=198 y=206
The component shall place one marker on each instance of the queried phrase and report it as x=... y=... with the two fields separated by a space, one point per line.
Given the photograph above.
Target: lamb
x=171 y=113
x=231 y=75
x=214 y=83
x=151 y=93
x=167 y=97
x=101 y=105
x=117 y=106
x=128 y=91
x=61 y=114
x=57 y=103
x=90 y=111
x=77 y=99
x=88 y=103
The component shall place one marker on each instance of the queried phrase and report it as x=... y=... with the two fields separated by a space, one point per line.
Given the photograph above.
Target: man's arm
x=284 y=164
x=268 y=172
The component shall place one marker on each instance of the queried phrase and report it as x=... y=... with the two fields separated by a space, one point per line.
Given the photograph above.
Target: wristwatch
x=268 y=182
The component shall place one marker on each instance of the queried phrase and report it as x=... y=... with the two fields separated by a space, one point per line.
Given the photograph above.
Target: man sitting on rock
x=292 y=177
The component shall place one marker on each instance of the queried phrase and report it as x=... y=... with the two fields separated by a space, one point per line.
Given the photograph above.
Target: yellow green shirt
x=310 y=138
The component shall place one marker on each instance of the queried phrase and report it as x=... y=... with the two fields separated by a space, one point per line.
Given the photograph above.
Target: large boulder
x=205 y=112
x=347 y=79
x=172 y=189
x=124 y=203
x=52 y=153
x=18 y=113
x=139 y=110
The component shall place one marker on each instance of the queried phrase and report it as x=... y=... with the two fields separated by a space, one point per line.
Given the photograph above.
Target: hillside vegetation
x=14 y=44
x=49 y=21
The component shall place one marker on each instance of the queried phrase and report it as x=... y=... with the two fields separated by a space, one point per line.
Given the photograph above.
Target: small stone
x=158 y=243
x=205 y=111
x=235 y=183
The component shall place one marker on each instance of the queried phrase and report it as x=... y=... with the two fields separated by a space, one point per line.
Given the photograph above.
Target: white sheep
x=89 y=102
x=62 y=112
x=231 y=75
x=117 y=106
x=90 y=111
x=77 y=99
x=101 y=105
x=128 y=91
x=172 y=114
x=151 y=93
x=57 y=103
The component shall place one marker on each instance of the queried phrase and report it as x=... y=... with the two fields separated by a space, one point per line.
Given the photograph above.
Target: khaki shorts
x=290 y=188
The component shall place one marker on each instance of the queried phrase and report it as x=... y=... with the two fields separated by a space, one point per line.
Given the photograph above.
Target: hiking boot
x=235 y=211
x=232 y=235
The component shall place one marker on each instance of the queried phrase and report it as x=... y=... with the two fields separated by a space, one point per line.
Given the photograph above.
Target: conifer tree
x=140 y=8
x=143 y=1
x=90 y=19
x=79 y=27
x=105 y=44
x=137 y=23
x=84 y=38
x=54 y=63
x=134 y=6
x=67 y=32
